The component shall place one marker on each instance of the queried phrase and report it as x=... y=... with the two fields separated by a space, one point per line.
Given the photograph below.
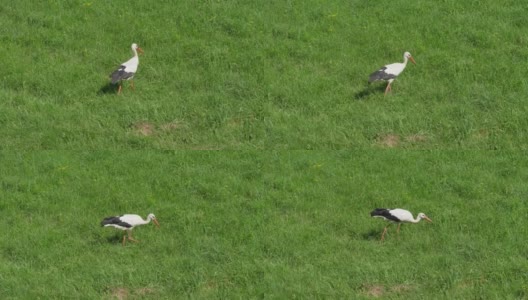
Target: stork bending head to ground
x=127 y=223
x=127 y=70
x=390 y=72
x=397 y=215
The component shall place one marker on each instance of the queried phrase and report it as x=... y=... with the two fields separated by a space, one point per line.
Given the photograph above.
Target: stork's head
x=135 y=47
x=407 y=55
x=423 y=216
x=152 y=217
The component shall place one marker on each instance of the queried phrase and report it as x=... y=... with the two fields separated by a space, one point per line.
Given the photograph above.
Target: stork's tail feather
x=107 y=221
x=378 y=212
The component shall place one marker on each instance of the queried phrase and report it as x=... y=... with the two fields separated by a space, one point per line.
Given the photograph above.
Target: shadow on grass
x=108 y=89
x=116 y=238
x=371 y=235
x=368 y=90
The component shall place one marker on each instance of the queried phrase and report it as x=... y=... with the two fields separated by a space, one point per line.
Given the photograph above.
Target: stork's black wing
x=120 y=74
x=385 y=213
x=115 y=221
x=381 y=75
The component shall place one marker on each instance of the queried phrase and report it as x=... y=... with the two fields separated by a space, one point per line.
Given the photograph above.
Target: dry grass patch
x=388 y=140
x=144 y=128
x=377 y=290
x=416 y=138
x=119 y=293
x=374 y=290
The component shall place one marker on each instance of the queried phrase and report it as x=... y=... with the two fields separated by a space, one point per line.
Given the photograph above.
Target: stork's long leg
x=398 y=231
x=130 y=237
x=132 y=84
x=388 y=88
x=119 y=89
x=383 y=234
x=124 y=239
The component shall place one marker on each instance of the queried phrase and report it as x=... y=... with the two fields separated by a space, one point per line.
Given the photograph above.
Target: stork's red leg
x=388 y=88
x=383 y=234
x=131 y=238
x=119 y=89
x=124 y=239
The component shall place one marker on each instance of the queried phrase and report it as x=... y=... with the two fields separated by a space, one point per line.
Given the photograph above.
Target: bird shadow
x=371 y=235
x=108 y=89
x=369 y=90
x=116 y=238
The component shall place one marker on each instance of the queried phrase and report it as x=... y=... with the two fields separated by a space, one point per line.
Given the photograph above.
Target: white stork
x=397 y=215
x=127 y=223
x=390 y=72
x=127 y=70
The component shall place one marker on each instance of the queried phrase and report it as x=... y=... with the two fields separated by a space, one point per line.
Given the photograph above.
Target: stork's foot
x=132 y=239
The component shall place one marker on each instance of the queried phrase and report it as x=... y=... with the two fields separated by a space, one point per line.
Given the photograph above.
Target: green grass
x=242 y=225
x=273 y=75
x=263 y=74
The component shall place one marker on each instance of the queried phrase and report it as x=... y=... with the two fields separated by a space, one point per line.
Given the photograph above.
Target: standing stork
x=127 y=70
x=397 y=215
x=390 y=72
x=127 y=223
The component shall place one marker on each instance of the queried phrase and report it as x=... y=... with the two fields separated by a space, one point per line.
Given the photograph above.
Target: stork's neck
x=405 y=59
x=136 y=54
x=145 y=221
x=418 y=219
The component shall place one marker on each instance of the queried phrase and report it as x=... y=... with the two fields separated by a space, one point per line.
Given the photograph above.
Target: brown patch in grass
x=377 y=290
x=174 y=125
x=239 y=121
x=119 y=293
x=401 y=288
x=388 y=140
x=374 y=290
x=144 y=128
x=481 y=134
x=416 y=138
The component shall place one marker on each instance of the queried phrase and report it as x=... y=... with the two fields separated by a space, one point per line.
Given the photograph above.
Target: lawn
x=263 y=75
x=274 y=79
x=280 y=225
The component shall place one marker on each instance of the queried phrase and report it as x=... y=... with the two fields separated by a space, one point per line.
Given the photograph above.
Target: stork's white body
x=397 y=216
x=127 y=223
x=127 y=70
x=132 y=64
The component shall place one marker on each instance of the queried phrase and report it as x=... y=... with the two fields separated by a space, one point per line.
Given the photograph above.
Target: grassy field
x=263 y=74
x=282 y=76
x=276 y=225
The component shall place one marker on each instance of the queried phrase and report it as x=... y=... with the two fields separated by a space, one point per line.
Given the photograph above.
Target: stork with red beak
x=127 y=70
x=127 y=223
x=390 y=72
x=398 y=216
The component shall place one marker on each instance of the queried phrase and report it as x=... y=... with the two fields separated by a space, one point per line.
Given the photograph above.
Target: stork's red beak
x=156 y=222
x=412 y=60
x=428 y=220
x=140 y=50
